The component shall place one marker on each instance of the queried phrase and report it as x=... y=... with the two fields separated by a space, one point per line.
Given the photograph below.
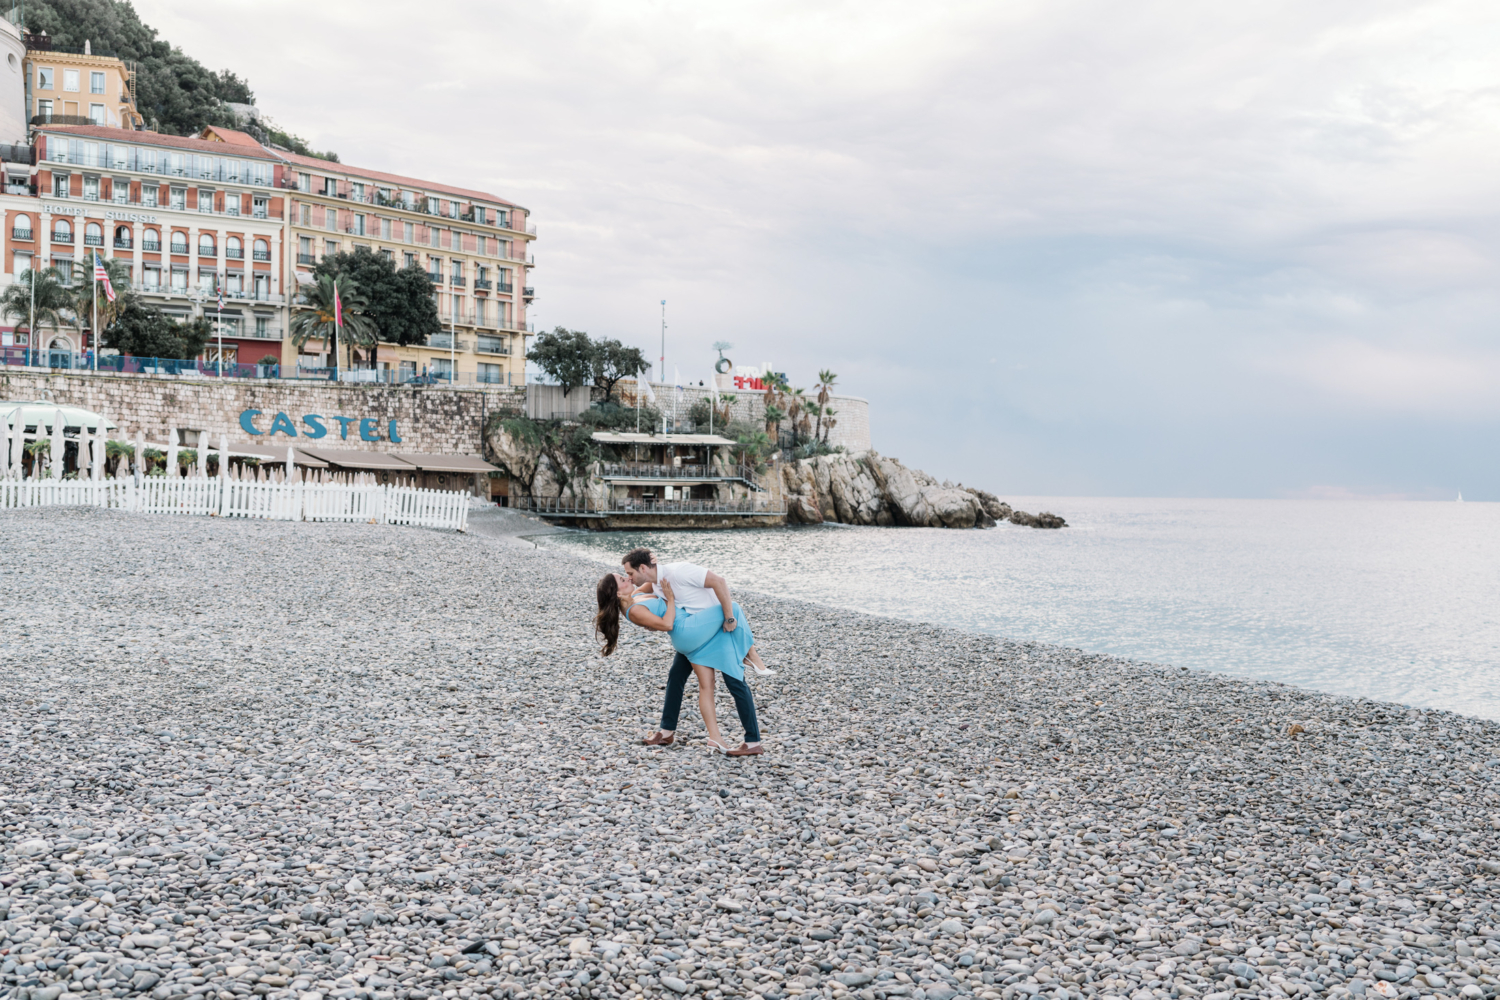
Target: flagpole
x=31 y=327
x=220 y=321
x=97 y=265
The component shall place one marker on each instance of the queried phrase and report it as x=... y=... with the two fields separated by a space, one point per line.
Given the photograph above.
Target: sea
x=1389 y=600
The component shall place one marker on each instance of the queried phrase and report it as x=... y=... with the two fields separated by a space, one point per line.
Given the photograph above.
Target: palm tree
x=81 y=304
x=316 y=318
x=52 y=300
x=826 y=379
x=796 y=412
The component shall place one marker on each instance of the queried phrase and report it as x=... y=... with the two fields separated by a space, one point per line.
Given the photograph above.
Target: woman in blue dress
x=698 y=635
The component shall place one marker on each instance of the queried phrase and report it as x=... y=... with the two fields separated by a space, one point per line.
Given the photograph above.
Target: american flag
x=100 y=274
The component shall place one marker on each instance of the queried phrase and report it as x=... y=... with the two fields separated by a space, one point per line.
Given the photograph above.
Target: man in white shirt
x=695 y=589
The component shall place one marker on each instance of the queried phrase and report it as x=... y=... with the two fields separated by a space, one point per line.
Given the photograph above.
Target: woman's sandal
x=714 y=744
x=656 y=739
x=762 y=671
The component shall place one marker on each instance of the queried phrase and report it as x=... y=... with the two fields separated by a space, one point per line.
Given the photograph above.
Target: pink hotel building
x=193 y=215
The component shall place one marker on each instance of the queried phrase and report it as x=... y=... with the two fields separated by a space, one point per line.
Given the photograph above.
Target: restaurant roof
x=348 y=458
x=445 y=463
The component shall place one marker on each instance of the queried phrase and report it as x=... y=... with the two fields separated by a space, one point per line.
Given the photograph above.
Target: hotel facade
x=220 y=213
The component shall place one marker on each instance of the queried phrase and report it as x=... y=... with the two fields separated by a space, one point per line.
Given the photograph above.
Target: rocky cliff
x=868 y=488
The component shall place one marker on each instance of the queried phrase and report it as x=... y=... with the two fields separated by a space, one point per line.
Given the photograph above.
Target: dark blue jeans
x=744 y=702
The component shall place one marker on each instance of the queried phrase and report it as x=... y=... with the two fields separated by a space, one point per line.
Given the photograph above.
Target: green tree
x=143 y=331
x=316 y=315
x=614 y=361
x=81 y=306
x=53 y=300
x=399 y=303
x=567 y=356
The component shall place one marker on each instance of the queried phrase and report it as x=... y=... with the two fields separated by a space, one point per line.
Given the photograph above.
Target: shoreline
x=929 y=798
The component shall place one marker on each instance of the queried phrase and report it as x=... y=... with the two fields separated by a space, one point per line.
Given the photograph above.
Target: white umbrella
x=56 y=460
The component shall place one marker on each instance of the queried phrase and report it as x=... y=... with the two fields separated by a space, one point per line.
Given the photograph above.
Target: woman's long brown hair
x=607 y=621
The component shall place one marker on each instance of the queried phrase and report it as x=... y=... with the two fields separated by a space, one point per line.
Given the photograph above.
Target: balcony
x=151 y=246
x=482 y=284
x=62 y=237
x=262 y=255
x=446 y=342
x=458 y=280
x=16 y=153
x=491 y=345
x=307 y=258
x=20 y=234
x=180 y=248
x=232 y=254
x=124 y=244
x=93 y=241
x=505 y=288
x=654 y=471
x=436 y=279
x=529 y=292
x=206 y=251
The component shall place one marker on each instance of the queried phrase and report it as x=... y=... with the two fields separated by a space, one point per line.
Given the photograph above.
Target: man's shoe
x=746 y=750
x=656 y=739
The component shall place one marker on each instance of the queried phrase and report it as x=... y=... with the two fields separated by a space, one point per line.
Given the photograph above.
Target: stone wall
x=430 y=419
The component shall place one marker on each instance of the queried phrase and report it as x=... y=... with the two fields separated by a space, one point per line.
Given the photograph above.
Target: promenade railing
x=653 y=470
x=575 y=507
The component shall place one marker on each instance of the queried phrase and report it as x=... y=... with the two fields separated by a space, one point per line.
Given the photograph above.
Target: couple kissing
x=710 y=633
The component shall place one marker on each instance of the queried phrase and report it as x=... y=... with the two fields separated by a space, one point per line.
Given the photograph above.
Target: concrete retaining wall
x=432 y=419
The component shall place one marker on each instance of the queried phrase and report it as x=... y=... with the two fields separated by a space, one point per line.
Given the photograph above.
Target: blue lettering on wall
x=317 y=427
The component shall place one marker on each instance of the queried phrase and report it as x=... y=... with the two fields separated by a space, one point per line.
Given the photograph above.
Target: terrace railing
x=574 y=507
x=654 y=470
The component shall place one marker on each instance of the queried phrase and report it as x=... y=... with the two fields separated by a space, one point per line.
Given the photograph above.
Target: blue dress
x=700 y=636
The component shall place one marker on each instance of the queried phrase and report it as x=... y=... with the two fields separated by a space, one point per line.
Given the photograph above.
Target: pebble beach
x=355 y=762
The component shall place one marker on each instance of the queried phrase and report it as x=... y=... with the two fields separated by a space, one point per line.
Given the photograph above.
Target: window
x=406 y=232
x=442 y=367
x=263 y=287
x=145 y=160
x=20 y=263
x=120 y=187
x=479 y=317
x=262 y=250
x=357 y=192
x=234 y=284
x=304 y=182
x=410 y=260
x=179 y=198
x=458 y=309
x=151 y=241
x=408 y=370
x=45 y=108
x=205 y=200
x=96 y=114
x=307 y=215
x=330 y=187
x=488 y=373
x=151 y=278
x=478 y=213
x=179 y=280
x=432 y=206
x=262 y=324
x=60 y=185
x=385 y=229
x=123 y=237
x=62 y=231
x=20 y=228
x=359 y=225
x=330 y=247
x=260 y=208
x=179 y=243
x=207 y=280
x=206 y=246
x=458 y=272
x=93 y=235
x=91 y=189
x=70 y=80
x=149 y=194
x=44 y=80
x=233 y=248
x=387 y=254
x=435 y=269
x=96 y=82
x=330 y=218
x=64 y=269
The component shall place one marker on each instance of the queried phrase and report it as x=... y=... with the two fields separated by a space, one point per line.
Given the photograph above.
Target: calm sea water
x=1395 y=601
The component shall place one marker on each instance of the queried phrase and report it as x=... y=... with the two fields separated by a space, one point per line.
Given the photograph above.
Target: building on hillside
x=473 y=246
x=185 y=217
x=68 y=87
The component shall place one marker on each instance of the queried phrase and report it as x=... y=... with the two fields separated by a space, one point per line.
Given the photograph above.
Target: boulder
x=1042 y=520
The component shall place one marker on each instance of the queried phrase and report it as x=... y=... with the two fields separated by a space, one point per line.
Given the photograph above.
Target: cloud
x=1153 y=216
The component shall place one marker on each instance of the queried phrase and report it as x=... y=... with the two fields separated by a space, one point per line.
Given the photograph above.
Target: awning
x=39 y=411
x=446 y=463
x=268 y=453
x=349 y=459
x=612 y=437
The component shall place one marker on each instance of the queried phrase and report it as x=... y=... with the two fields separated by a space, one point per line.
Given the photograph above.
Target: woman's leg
x=705 y=677
x=744 y=703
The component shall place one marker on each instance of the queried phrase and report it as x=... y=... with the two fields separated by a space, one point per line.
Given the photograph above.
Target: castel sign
x=314 y=425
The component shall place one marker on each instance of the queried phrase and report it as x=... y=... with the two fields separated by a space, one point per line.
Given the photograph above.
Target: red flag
x=338 y=310
x=100 y=274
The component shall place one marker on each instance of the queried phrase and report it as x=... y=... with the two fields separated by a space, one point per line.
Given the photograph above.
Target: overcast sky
x=1168 y=249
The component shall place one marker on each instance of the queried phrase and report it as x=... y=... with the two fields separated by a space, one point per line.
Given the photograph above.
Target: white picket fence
x=227 y=497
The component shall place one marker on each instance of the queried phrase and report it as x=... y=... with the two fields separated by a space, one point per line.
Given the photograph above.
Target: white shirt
x=688 y=588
